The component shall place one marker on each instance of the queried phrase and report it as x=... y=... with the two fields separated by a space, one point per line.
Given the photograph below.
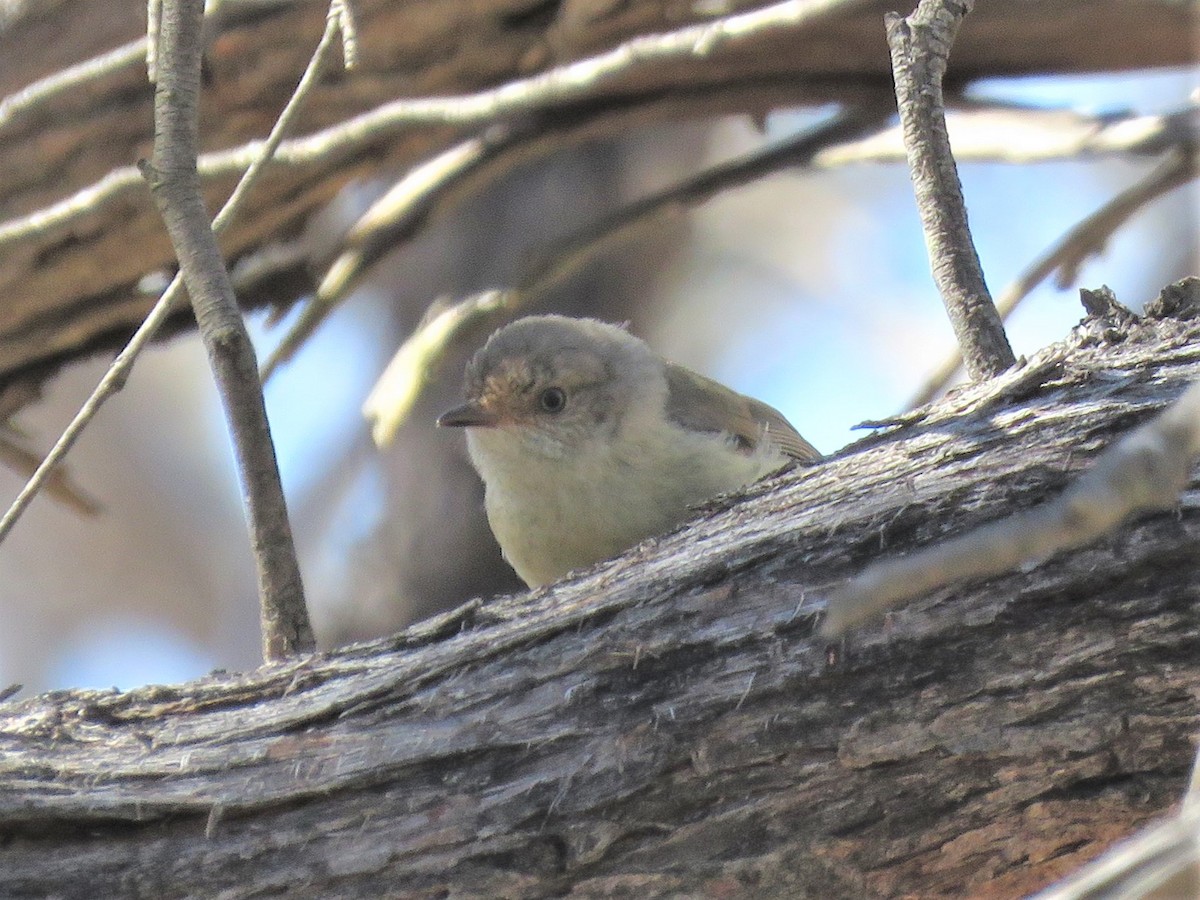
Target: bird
x=588 y=442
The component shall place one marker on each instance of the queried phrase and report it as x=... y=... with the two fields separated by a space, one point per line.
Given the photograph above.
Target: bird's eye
x=553 y=399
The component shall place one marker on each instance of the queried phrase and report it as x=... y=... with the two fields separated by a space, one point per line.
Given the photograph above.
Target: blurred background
x=809 y=289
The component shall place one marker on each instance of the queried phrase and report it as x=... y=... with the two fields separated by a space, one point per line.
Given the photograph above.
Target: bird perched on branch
x=588 y=442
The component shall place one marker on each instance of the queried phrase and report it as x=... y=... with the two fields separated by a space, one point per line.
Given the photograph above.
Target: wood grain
x=667 y=725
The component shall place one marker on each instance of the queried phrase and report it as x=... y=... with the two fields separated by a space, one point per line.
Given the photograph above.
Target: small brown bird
x=588 y=442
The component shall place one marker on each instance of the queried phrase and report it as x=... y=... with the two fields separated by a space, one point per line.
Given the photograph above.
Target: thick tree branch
x=1146 y=470
x=668 y=724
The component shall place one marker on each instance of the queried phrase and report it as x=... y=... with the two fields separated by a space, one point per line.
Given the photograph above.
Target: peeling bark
x=666 y=724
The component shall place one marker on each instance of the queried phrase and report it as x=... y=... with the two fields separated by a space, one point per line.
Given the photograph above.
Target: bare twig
x=176 y=189
x=69 y=79
x=920 y=47
x=59 y=486
x=400 y=384
x=343 y=11
x=114 y=379
x=1145 y=470
x=580 y=80
x=1085 y=239
x=993 y=131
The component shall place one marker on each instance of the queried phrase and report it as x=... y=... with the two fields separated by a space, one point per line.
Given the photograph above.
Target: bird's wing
x=701 y=404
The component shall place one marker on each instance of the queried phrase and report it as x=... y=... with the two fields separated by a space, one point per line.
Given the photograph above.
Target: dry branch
x=920 y=46
x=1145 y=470
x=1068 y=253
x=668 y=724
x=73 y=288
x=175 y=185
x=116 y=375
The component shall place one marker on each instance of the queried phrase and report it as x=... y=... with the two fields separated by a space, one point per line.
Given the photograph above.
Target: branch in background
x=1145 y=470
x=994 y=131
x=920 y=48
x=114 y=379
x=388 y=222
x=559 y=262
x=1089 y=136
x=557 y=87
x=70 y=79
x=140 y=50
x=388 y=404
x=393 y=395
x=1066 y=256
x=59 y=486
x=434 y=187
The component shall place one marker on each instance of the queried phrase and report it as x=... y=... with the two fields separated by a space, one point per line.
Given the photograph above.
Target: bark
x=73 y=287
x=667 y=724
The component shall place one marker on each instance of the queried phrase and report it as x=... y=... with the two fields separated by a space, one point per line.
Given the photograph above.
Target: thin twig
x=1145 y=470
x=388 y=404
x=920 y=48
x=344 y=11
x=114 y=379
x=997 y=131
x=176 y=189
x=580 y=80
x=70 y=79
x=1069 y=252
x=153 y=30
x=436 y=186
x=23 y=461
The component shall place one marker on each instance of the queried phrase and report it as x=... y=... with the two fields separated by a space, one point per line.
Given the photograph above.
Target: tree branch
x=115 y=377
x=920 y=47
x=667 y=724
x=1069 y=252
x=1145 y=470
x=175 y=185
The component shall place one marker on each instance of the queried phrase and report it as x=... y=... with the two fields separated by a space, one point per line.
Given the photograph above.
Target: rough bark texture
x=71 y=288
x=667 y=725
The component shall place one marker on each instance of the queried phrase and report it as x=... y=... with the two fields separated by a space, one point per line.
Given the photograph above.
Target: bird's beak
x=470 y=415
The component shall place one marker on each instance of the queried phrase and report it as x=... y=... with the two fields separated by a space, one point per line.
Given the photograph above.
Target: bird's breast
x=554 y=514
